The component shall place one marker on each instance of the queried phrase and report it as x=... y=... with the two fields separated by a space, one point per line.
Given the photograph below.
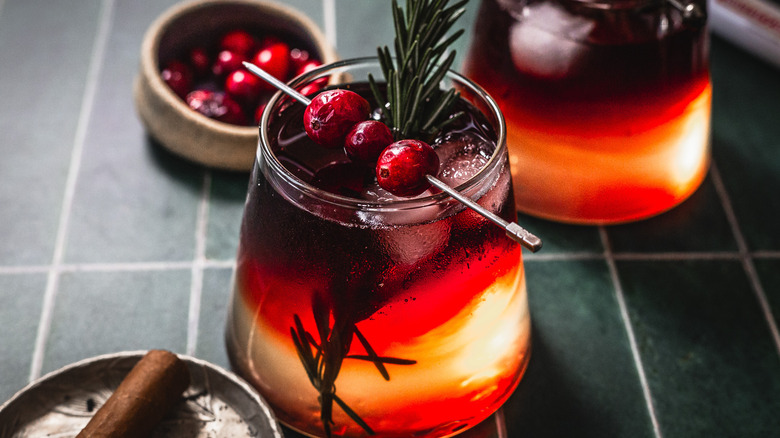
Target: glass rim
x=364 y=204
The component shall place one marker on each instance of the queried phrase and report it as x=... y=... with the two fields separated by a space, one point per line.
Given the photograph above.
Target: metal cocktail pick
x=513 y=230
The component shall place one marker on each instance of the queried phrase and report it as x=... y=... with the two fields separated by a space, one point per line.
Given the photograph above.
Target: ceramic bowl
x=167 y=117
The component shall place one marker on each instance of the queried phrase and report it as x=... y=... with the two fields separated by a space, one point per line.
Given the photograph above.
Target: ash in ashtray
x=202 y=416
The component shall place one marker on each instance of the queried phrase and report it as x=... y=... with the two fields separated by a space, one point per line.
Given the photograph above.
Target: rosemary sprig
x=415 y=106
x=322 y=361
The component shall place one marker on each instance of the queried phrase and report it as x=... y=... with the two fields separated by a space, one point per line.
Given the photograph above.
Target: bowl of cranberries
x=192 y=92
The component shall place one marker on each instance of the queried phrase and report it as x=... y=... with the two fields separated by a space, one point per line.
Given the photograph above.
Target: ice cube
x=462 y=155
x=410 y=245
x=375 y=193
x=546 y=41
x=372 y=192
x=497 y=194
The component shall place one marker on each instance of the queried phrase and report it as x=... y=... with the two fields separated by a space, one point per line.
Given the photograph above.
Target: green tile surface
x=581 y=380
x=133 y=202
x=746 y=140
x=226 y=204
x=563 y=238
x=105 y=312
x=213 y=316
x=769 y=277
x=697 y=225
x=39 y=118
x=365 y=26
x=663 y=328
x=711 y=363
x=21 y=298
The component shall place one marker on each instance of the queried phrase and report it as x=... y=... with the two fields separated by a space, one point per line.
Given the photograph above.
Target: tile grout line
x=227 y=263
x=198 y=264
x=745 y=256
x=329 y=18
x=629 y=329
x=649 y=256
x=116 y=267
x=88 y=99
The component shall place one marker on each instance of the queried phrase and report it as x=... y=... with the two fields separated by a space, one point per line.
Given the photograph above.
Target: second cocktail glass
x=607 y=102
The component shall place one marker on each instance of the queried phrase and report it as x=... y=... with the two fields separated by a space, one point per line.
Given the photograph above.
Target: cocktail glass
x=356 y=313
x=607 y=102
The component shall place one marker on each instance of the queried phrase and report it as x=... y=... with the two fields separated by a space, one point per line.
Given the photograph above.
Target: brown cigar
x=144 y=397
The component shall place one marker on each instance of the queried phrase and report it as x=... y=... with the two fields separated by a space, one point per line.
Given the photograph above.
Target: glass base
x=493 y=427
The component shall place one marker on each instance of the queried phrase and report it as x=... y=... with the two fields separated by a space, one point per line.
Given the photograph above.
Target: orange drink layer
x=608 y=113
x=463 y=318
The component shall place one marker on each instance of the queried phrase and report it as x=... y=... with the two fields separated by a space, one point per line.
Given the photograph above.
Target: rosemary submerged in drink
x=413 y=105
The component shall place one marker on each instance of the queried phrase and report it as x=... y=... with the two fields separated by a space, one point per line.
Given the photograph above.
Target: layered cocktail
x=357 y=312
x=607 y=103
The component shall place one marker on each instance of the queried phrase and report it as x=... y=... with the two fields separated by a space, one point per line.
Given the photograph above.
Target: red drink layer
x=607 y=110
x=420 y=312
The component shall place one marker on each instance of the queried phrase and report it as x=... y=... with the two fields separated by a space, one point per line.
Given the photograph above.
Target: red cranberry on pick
x=402 y=167
x=366 y=140
x=178 y=76
x=332 y=114
x=238 y=41
x=243 y=86
x=227 y=62
x=216 y=105
x=275 y=59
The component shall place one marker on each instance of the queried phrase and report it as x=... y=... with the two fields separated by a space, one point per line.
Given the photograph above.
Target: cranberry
x=216 y=105
x=299 y=58
x=309 y=66
x=367 y=140
x=312 y=87
x=243 y=86
x=275 y=59
x=227 y=62
x=402 y=167
x=178 y=76
x=332 y=114
x=238 y=41
x=200 y=61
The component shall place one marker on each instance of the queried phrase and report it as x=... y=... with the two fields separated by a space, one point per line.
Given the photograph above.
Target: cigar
x=144 y=397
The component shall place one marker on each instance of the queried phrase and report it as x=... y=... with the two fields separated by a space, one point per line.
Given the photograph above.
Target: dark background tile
x=746 y=140
x=562 y=238
x=581 y=380
x=712 y=367
x=698 y=224
x=769 y=277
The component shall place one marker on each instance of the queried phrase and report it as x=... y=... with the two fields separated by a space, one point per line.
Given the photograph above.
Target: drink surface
x=437 y=298
x=607 y=111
